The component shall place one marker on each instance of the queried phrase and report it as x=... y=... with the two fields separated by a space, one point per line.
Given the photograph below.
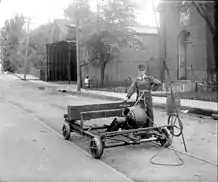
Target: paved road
x=49 y=106
x=31 y=152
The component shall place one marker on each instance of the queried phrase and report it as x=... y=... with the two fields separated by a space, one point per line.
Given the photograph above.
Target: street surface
x=24 y=143
x=30 y=152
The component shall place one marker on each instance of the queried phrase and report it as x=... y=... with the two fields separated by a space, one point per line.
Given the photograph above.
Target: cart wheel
x=66 y=131
x=167 y=140
x=177 y=126
x=96 y=148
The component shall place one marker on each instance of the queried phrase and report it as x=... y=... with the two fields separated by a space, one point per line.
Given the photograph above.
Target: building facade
x=187 y=42
x=125 y=64
x=61 y=64
x=121 y=67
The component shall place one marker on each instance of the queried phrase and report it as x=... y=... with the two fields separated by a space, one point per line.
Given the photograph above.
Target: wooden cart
x=76 y=115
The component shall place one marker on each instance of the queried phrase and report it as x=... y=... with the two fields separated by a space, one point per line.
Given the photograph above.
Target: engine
x=135 y=116
x=132 y=118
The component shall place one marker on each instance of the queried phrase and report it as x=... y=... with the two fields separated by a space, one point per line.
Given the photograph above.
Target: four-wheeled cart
x=76 y=115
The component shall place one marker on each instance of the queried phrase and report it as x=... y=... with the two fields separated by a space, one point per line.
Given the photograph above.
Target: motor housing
x=135 y=116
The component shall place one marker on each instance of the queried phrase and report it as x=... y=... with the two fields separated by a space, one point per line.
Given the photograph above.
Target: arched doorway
x=184 y=55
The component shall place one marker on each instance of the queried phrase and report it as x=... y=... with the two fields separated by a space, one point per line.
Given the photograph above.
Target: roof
x=145 y=29
x=63 y=42
x=71 y=25
x=62 y=24
x=140 y=29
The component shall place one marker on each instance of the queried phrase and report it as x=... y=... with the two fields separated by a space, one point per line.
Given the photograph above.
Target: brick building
x=125 y=64
x=121 y=67
x=187 y=42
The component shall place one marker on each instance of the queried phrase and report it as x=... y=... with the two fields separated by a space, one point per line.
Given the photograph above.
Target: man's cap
x=141 y=67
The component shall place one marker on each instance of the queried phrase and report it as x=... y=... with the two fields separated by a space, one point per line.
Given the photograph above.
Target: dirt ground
x=134 y=161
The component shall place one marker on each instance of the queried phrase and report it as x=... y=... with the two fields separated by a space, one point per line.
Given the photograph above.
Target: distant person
x=86 y=82
x=144 y=84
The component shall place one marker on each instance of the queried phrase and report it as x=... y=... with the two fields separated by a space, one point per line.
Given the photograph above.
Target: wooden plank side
x=74 y=111
x=101 y=114
x=94 y=107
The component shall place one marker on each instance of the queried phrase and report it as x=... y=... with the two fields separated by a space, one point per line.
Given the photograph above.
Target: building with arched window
x=187 y=41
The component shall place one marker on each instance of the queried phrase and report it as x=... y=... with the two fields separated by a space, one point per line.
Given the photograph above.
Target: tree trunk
x=103 y=65
x=104 y=60
x=215 y=40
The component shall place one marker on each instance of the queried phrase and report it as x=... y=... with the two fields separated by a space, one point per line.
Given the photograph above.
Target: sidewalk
x=28 y=76
x=194 y=106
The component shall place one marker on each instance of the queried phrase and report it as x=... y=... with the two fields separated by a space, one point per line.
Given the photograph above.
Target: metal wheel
x=177 y=127
x=166 y=140
x=66 y=131
x=96 y=148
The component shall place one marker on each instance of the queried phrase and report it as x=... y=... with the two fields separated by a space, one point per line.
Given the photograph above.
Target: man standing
x=143 y=85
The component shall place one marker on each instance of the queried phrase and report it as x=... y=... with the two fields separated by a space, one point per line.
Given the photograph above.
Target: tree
x=80 y=11
x=116 y=19
x=12 y=37
x=80 y=14
x=38 y=39
x=104 y=38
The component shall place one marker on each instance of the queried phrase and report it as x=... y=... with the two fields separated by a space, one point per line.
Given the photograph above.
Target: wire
x=165 y=164
x=172 y=148
x=167 y=140
x=192 y=156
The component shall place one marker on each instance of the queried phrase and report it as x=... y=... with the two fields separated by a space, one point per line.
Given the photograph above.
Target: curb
x=197 y=111
x=215 y=116
x=27 y=79
x=155 y=105
x=93 y=95
x=18 y=77
x=201 y=111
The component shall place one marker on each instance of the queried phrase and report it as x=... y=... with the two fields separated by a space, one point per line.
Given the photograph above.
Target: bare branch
x=201 y=12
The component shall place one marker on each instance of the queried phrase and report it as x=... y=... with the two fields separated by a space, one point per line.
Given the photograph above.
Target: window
x=185 y=18
x=71 y=33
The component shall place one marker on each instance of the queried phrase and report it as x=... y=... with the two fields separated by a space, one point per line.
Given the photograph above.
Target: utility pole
x=69 y=65
x=98 y=13
x=77 y=55
x=27 y=45
x=2 y=58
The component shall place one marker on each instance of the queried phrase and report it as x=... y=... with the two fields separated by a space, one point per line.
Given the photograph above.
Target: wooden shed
x=61 y=62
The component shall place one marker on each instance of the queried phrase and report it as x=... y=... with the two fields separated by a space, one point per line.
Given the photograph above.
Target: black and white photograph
x=108 y=90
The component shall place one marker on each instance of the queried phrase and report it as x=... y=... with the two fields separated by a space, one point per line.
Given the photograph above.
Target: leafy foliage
x=104 y=38
x=12 y=39
x=38 y=39
x=79 y=11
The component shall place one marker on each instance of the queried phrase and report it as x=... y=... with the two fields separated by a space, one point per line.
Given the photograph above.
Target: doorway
x=184 y=55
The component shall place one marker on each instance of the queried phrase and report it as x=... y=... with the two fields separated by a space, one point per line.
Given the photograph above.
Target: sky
x=44 y=11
